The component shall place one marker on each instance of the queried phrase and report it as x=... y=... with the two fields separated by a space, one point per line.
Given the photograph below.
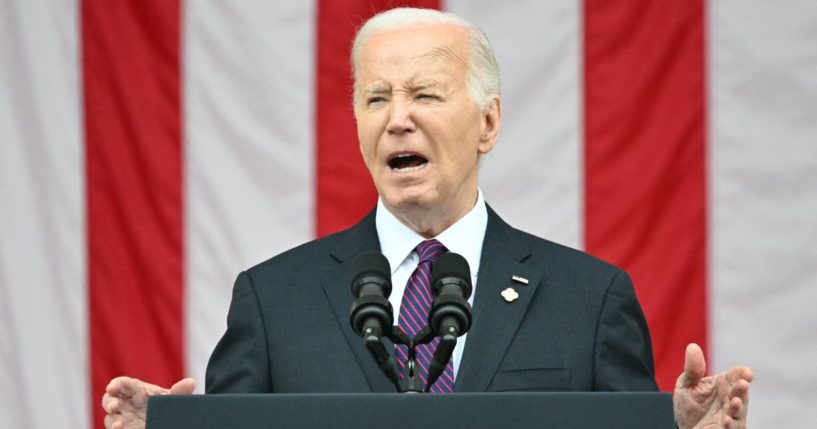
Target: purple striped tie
x=414 y=315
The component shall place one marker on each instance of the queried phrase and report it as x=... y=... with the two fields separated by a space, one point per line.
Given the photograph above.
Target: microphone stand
x=372 y=339
x=411 y=381
x=450 y=315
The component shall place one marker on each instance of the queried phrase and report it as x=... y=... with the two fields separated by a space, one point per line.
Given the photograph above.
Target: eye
x=374 y=100
x=427 y=97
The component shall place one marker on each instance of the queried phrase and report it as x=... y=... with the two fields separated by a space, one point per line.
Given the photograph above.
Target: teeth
x=409 y=169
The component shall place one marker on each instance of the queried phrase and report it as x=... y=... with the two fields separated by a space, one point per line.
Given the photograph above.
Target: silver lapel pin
x=519 y=279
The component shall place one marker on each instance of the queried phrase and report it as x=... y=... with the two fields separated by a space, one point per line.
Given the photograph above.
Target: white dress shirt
x=397 y=243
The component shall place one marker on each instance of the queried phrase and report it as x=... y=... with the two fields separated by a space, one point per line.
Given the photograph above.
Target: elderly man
x=428 y=107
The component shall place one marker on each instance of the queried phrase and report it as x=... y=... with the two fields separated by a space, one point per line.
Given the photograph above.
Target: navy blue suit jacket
x=576 y=326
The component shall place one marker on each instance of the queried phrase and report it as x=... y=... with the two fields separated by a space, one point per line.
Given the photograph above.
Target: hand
x=126 y=400
x=720 y=400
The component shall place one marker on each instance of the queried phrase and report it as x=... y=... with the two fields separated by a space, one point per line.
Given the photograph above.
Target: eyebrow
x=422 y=84
x=412 y=85
x=376 y=88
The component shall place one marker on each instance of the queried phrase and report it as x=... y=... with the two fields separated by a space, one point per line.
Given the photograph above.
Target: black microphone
x=450 y=314
x=371 y=312
x=451 y=287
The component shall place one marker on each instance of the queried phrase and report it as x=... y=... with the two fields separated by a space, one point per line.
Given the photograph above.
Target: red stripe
x=448 y=373
x=441 y=384
x=424 y=277
x=645 y=196
x=425 y=353
x=420 y=287
x=403 y=350
x=344 y=188
x=134 y=190
x=410 y=299
x=411 y=320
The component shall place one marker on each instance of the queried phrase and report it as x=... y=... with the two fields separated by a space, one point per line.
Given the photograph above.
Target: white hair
x=483 y=70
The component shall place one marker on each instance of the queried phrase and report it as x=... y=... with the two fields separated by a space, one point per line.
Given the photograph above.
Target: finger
x=735 y=408
x=123 y=386
x=111 y=405
x=737 y=373
x=110 y=421
x=694 y=366
x=185 y=386
x=114 y=387
x=739 y=400
x=740 y=390
x=105 y=398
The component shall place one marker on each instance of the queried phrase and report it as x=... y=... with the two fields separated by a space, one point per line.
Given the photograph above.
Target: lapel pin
x=519 y=279
x=509 y=294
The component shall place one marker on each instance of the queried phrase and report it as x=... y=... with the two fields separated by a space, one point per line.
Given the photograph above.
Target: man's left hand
x=720 y=400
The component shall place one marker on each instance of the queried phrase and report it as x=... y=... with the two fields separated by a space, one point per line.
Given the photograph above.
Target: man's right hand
x=126 y=400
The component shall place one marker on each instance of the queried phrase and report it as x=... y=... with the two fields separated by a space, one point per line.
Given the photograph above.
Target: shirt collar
x=464 y=237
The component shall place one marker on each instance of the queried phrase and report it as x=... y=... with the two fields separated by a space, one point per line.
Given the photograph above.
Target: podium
x=611 y=410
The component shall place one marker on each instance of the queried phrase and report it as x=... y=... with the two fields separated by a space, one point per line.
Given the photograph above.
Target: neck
x=430 y=222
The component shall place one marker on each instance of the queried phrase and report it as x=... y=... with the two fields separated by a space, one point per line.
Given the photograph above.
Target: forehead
x=422 y=52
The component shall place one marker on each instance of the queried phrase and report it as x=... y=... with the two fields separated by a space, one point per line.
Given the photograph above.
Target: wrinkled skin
x=414 y=100
x=126 y=400
x=720 y=400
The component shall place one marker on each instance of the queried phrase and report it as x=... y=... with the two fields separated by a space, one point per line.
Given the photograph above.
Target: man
x=428 y=107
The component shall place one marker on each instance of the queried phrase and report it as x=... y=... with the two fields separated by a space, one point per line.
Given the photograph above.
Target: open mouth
x=407 y=162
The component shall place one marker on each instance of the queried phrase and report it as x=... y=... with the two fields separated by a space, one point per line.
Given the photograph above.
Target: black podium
x=396 y=411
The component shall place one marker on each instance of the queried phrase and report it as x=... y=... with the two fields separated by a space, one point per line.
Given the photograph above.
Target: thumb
x=185 y=386
x=694 y=366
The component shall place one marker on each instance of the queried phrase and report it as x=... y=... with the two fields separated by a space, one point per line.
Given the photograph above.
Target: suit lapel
x=494 y=320
x=337 y=288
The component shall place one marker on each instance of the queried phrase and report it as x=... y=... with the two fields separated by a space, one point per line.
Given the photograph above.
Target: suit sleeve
x=623 y=359
x=240 y=361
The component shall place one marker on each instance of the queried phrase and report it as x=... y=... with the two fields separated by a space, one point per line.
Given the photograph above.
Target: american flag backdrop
x=152 y=149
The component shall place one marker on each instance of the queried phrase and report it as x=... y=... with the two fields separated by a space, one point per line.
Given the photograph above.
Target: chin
x=405 y=201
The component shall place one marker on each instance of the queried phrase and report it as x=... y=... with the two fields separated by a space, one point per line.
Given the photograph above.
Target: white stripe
x=43 y=328
x=533 y=178
x=248 y=74
x=763 y=109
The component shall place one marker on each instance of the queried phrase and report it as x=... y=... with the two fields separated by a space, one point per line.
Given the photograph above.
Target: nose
x=400 y=117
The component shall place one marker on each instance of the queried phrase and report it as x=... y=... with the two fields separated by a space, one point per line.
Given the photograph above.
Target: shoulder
x=570 y=261
x=316 y=257
x=309 y=257
x=557 y=261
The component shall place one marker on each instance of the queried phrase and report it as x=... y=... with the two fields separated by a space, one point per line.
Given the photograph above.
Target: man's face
x=420 y=131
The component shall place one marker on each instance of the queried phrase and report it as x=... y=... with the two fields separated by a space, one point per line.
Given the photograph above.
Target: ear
x=491 y=121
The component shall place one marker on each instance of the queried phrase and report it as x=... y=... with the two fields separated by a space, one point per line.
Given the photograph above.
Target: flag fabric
x=151 y=150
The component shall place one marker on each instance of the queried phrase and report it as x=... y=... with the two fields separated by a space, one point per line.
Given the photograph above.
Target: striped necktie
x=414 y=316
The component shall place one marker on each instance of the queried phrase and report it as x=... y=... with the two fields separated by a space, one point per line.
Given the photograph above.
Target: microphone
x=451 y=287
x=371 y=314
x=371 y=311
x=450 y=314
